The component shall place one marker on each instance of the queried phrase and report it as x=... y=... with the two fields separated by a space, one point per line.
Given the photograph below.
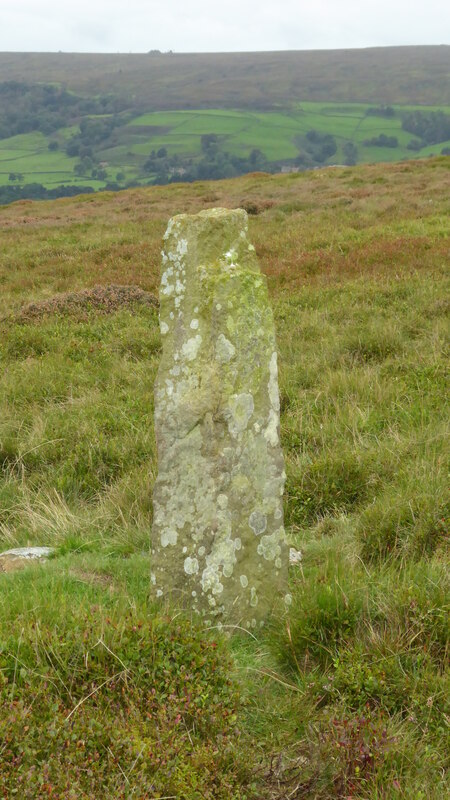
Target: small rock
x=19 y=557
x=295 y=556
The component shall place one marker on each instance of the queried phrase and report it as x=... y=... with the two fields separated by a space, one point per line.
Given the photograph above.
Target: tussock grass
x=346 y=696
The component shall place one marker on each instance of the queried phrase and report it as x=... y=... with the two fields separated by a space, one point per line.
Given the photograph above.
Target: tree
x=83 y=167
x=350 y=154
x=73 y=149
x=432 y=128
x=208 y=142
x=321 y=146
x=382 y=141
x=52 y=146
x=256 y=157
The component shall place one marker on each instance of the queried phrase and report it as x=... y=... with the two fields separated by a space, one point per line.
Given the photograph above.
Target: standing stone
x=218 y=542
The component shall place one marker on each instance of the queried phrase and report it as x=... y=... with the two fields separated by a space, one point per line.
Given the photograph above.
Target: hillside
x=73 y=123
x=101 y=692
x=156 y=81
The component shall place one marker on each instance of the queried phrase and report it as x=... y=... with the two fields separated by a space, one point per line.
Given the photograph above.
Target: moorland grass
x=347 y=696
x=247 y=80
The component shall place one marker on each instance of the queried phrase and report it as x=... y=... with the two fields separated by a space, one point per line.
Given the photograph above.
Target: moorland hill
x=169 y=81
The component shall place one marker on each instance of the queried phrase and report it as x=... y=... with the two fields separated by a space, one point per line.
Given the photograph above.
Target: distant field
x=28 y=155
x=275 y=134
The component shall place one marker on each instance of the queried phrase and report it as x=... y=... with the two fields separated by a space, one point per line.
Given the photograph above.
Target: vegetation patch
x=118 y=706
x=345 y=696
x=106 y=299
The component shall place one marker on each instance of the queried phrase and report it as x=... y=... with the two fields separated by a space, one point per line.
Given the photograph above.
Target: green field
x=105 y=694
x=276 y=134
x=28 y=154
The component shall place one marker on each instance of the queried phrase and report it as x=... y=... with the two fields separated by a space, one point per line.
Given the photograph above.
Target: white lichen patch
x=194 y=324
x=164 y=328
x=189 y=349
x=257 y=522
x=169 y=228
x=190 y=565
x=273 y=383
x=238 y=412
x=182 y=247
x=219 y=563
x=169 y=536
x=225 y=350
x=211 y=580
x=222 y=500
x=231 y=258
x=253 y=597
x=244 y=581
x=168 y=289
x=271 y=431
x=270 y=545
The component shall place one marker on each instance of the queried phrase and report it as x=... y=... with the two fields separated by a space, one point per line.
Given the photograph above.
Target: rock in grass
x=20 y=557
x=218 y=540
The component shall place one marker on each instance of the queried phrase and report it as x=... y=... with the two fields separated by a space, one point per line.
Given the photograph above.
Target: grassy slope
x=352 y=686
x=274 y=133
x=252 y=82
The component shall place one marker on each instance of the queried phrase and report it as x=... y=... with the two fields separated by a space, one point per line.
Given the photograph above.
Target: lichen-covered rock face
x=218 y=540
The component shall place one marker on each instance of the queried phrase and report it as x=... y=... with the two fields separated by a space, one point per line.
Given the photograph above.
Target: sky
x=137 y=26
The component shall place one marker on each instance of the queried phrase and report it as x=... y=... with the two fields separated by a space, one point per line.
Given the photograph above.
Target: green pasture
x=28 y=154
x=279 y=135
x=275 y=133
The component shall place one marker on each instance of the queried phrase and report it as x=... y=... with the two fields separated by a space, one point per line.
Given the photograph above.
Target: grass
x=29 y=155
x=346 y=696
x=276 y=134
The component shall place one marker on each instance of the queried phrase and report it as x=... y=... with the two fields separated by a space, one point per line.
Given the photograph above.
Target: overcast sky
x=218 y=25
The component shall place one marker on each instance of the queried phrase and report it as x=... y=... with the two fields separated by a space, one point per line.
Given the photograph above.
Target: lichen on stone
x=218 y=540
